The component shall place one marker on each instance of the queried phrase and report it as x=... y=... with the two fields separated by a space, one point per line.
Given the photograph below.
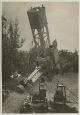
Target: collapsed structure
x=39 y=27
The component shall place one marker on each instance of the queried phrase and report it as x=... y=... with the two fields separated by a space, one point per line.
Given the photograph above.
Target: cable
x=73 y=100
x=72 y=92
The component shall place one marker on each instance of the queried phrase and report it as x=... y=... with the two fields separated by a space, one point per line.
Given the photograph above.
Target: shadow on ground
x=54 y=108
x=61 y=108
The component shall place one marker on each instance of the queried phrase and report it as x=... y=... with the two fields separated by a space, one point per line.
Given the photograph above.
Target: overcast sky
x=62 y=20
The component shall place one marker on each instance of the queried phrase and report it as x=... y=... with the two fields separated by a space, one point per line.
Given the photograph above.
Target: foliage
x=10 y=43
x=68 y=61
x=26 y=61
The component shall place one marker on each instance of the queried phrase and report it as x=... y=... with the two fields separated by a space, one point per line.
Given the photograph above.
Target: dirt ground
x=13 y=103
x=70 y=80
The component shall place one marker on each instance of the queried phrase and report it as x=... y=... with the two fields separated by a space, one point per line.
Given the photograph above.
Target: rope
x=72 y=92
x=73 y=100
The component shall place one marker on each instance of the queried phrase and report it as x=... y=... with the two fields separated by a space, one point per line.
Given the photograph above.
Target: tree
x=10 y=45
x=68 y=61
x=5 y=50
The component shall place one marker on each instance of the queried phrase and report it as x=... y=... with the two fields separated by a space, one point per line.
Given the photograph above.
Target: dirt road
x=15 y=100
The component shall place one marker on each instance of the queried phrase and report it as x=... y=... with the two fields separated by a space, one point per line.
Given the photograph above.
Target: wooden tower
x=39 y=27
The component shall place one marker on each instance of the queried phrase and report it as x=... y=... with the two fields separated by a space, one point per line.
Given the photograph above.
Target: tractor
x=60 y=94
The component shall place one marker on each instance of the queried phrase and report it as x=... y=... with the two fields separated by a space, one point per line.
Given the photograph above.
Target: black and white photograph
x=40 y=56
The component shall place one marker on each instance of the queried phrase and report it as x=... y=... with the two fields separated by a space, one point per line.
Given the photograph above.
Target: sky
x=62 y=17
